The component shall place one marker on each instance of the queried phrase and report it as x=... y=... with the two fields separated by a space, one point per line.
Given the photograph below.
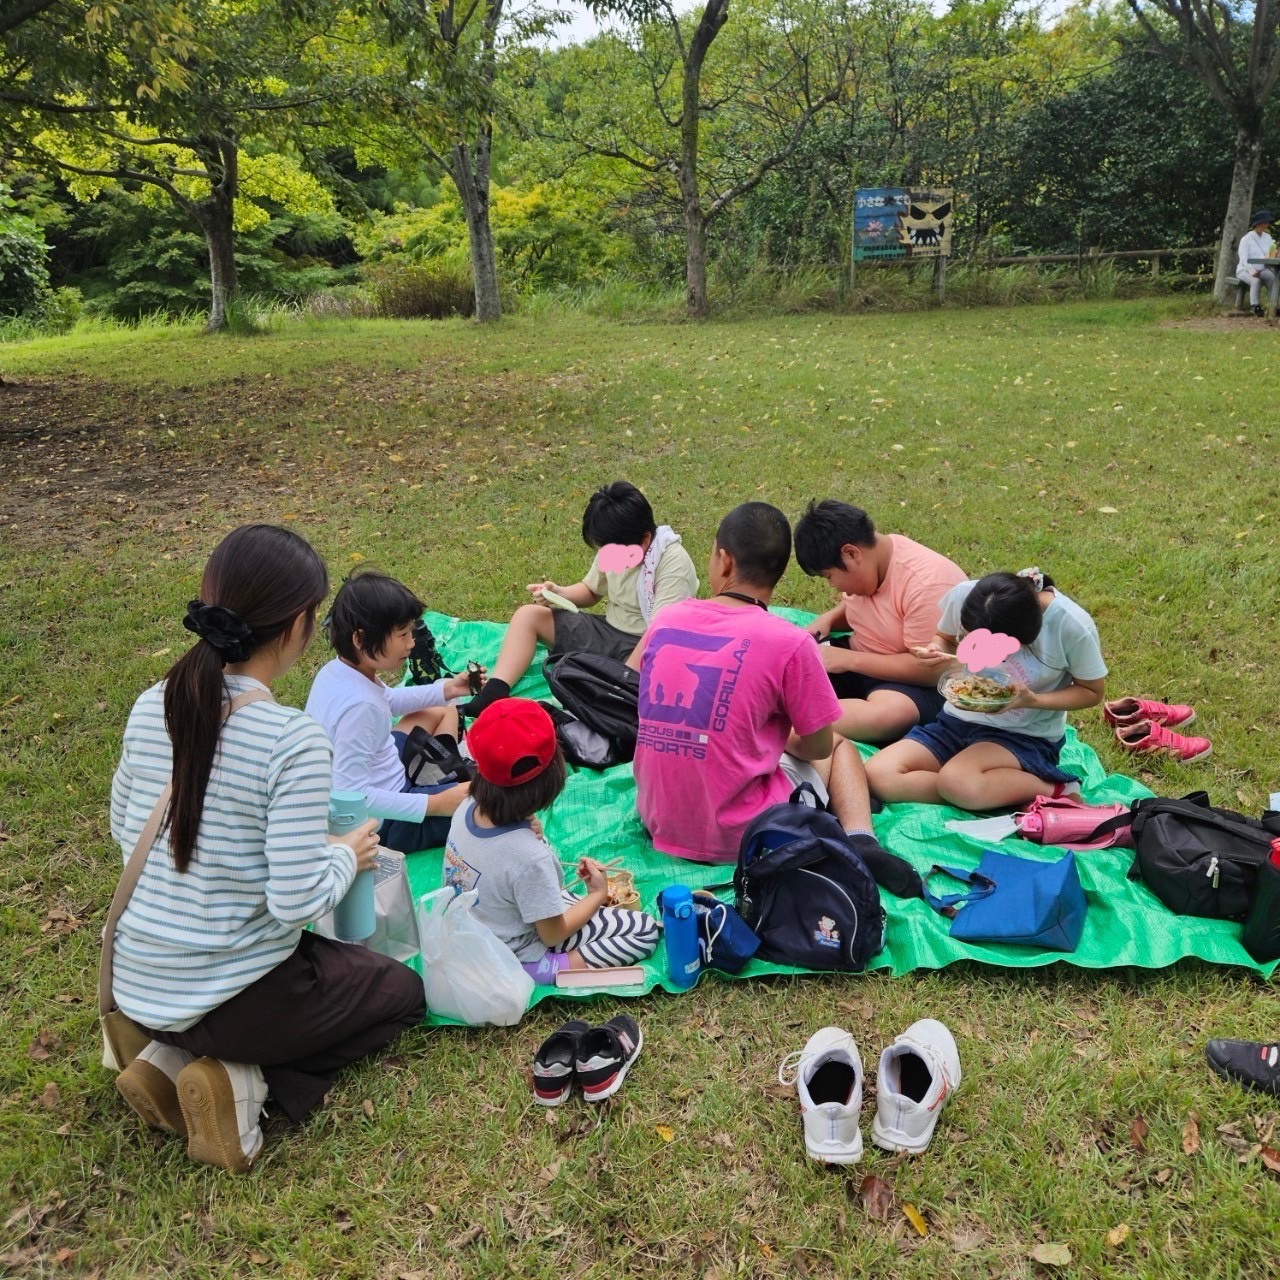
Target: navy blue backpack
x=806 y=893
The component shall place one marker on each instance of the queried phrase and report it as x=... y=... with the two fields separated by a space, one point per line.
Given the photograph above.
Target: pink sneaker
x=1133 y=710
x=1147 y=739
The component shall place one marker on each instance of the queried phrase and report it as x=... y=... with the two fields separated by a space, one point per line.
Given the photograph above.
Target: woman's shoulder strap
x=243 y=700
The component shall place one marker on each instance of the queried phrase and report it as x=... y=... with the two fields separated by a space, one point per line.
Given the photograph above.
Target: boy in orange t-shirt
x=891 y=590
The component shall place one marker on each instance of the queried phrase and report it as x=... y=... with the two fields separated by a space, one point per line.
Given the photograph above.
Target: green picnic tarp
x=595 y=816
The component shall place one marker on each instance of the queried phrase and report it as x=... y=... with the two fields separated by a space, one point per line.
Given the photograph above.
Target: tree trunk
x=695 y=230
x=470 y=175
x=215 y=214
x=713 y=18
x=1244 y=176
x=695 y=244
x=219 y=236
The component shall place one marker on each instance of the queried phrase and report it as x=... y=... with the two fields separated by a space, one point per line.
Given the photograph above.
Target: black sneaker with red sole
x=555 y=1064
x=605 y=1055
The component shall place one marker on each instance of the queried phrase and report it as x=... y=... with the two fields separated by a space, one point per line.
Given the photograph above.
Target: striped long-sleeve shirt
x=262 y=868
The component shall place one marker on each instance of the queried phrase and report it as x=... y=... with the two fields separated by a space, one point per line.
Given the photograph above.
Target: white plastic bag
x=467 y=971
x=396 y=932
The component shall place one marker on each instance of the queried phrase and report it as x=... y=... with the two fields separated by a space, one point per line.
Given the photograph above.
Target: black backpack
x=1197 y=859
x=581 y=744
x=806 y=893
x=426 y=666
x=601 y=692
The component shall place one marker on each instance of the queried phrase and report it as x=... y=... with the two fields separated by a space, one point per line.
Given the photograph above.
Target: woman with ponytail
x=210 y=956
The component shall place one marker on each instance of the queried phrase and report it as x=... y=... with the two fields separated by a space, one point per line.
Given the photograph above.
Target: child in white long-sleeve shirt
x=1256 y=243
x=370 y=627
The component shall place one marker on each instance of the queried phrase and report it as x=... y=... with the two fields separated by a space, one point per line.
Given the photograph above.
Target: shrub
x=405 y=292
x=346 y=302
x=60 y=312
x=24 y=278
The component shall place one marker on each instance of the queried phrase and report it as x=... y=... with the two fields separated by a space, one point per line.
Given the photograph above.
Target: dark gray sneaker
x=1246 y=1062
x=555 y=1063
x=605 y=1055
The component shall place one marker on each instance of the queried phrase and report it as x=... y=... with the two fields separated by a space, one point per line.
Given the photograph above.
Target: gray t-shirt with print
x=1066 y=648
x=517 y=876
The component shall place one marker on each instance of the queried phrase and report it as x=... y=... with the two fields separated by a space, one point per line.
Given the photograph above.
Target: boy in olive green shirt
x=638 y=568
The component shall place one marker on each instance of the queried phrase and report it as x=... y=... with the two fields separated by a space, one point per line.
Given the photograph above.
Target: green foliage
x=1050 y=139
x=404 y=291
x=61 y=310
x=24 y=277
x=552 y=234
x=137 y=258
x=247 y=315
x=1134 y=158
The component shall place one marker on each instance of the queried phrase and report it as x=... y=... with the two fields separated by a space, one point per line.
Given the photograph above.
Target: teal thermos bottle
x=353 y=918
x=1261 y=936
x=680 y=931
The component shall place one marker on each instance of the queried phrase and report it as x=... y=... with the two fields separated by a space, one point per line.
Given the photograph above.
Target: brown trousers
x=328 y=1004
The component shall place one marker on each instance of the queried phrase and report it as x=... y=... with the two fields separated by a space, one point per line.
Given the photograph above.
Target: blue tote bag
x=1017 y=901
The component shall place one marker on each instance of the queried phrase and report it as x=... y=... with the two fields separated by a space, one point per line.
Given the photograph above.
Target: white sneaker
x=222 y=1105
x=827 y=1074
x=918 y=1072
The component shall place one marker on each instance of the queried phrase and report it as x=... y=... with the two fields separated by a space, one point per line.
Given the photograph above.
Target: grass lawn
x=1124 y=448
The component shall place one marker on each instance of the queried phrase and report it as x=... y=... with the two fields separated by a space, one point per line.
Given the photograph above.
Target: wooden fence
x=1092 y=257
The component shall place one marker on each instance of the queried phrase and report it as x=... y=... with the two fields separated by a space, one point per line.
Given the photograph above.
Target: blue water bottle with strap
x=354 y=918
x=680 y=931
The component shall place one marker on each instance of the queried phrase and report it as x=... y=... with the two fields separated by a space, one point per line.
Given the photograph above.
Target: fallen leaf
x=50 y=1098
x=1231 y=1137
x=467 y=1237
x=912 y=1214
x=766 y=1251
x=1052 y=1255
x=548 y=1175
x=1191 y=1134
x=1108 y=511
x=723 y=1140
x=1271 y=1158
x=1116 y=1236
x=665 y=1132
x=1138 y=1135
x=17 y=1215
x=260 y=1258
x=1163 y=1176
x=367 y=1107
x=876 y=1195
x=37 y=1052
x=967 y=1239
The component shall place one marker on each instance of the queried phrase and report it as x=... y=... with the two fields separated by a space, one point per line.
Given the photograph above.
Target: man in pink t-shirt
x=891 y=591
x=735 y=706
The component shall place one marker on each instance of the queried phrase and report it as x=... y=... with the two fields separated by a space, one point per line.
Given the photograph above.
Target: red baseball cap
x=512 y=741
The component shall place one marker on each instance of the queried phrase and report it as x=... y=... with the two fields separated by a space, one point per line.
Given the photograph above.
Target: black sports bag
x=601 y=692
x=1197 y=859
x=581 y=744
